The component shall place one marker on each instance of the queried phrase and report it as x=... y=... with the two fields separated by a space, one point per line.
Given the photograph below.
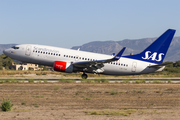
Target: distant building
x=26 y=66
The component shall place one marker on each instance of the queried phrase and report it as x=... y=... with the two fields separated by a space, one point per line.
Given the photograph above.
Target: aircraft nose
x=5 y=52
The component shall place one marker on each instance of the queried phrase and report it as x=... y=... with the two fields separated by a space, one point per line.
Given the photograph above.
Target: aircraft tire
x=84 y=76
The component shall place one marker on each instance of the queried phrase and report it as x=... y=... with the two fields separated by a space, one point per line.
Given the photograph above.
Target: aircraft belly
x=42 y=61
x=116 y=70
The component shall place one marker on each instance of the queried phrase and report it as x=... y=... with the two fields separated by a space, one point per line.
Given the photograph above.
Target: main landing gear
x=84 y=76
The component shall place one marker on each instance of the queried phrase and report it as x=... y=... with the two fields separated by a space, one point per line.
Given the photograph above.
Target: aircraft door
x=134 y=65
x=28 y=50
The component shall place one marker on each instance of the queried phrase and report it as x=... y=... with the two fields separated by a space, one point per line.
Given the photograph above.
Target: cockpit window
x=14 y=47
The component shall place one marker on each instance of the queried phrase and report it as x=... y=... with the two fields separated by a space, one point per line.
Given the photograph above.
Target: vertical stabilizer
x=156 y=52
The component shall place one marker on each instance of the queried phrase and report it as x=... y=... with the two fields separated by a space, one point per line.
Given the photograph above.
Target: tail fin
x=156 y=52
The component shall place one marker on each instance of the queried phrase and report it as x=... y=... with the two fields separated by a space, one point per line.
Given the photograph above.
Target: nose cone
x=4 y=51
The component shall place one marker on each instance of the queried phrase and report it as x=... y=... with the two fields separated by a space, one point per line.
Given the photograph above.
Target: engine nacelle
x=62 y=66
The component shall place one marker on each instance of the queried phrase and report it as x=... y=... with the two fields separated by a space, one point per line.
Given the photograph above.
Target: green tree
x=176 y=64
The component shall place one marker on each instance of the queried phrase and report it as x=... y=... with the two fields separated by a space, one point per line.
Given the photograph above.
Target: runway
x=100 y=80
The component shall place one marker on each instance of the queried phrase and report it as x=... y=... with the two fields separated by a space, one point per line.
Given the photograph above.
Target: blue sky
x=70 y=23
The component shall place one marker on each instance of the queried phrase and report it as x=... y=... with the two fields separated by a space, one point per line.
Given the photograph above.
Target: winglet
x=117 y=56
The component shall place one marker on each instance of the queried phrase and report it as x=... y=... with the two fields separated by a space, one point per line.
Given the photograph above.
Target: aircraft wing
x=99 y=62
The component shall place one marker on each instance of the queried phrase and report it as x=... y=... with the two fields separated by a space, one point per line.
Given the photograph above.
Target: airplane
x=67 y=60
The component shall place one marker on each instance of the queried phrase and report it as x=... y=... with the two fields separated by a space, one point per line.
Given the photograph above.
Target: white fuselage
x=47 y=55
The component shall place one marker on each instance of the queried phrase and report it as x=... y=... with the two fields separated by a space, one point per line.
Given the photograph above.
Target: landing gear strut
x=84 y=76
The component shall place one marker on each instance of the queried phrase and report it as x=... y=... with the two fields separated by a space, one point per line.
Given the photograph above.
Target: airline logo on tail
x=153 y=56
x=156 y=52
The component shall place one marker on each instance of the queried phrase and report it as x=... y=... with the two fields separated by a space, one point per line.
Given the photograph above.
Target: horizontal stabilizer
x=160 y=65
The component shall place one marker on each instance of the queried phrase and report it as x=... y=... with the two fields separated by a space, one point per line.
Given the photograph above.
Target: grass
x=1 y=81
x=23 y=103
x=169 y=81
x=157 y=91
x=165 y=73
x=31 y=80
x=125 y=81
x=35 y=105
x=104 y=80
x=113 y=112
x=127 y=112
x=44 y=73
x=157 y=81
x=66 y=80
x=38 y=96
x=140 y=81
x=77 y=93
x=7 y=80
x=87 y=80
x=88 y=98
x=6 y=105
x=114 y=92
x=56 y=88
x=45 y=81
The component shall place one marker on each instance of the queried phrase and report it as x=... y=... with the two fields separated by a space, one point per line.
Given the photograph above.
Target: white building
x=26 y=66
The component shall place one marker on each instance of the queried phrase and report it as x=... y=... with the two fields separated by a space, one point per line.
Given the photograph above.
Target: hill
x=133 y=46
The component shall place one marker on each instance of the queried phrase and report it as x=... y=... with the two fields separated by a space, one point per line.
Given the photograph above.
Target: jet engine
x=62 y=66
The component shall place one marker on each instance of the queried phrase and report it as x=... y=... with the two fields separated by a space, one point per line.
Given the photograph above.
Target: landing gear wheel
x=84 y=76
